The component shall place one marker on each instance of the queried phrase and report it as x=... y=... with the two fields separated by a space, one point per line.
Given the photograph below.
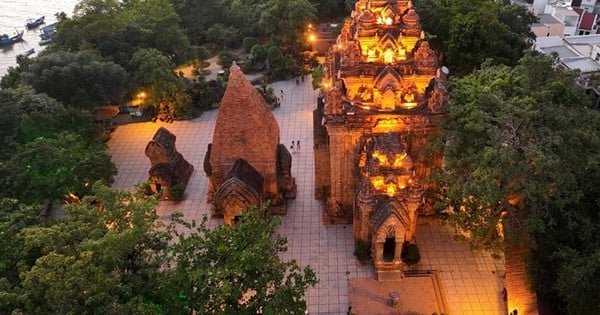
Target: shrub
x=176 y=192
x=362 y=250
x=247 y=66
x=317 y=77
x=275 y=57
x=259 y=53
x=410 y=254
x=143 y=188
x=200 y=52
x=182 y=106
x=267 y=92
x=248 y=43
x=226 y=59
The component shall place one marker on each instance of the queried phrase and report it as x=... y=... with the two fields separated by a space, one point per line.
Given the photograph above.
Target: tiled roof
x=587 y=21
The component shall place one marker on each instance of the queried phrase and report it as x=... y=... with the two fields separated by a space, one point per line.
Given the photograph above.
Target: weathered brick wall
x=245 y=128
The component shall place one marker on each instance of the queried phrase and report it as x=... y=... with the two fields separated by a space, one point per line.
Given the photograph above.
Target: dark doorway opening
x=389 y=249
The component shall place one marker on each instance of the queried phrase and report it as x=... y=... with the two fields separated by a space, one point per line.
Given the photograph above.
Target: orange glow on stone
x=391 y=190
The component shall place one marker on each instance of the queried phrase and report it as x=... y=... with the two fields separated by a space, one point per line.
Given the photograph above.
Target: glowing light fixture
x=391 y=190
x=388 y=56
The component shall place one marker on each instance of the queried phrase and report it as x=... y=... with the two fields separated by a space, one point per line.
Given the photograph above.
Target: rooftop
x=587 y=21
x=573 y=51
x=547 y=19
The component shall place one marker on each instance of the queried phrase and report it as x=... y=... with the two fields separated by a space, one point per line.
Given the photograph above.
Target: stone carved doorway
x=389 y=249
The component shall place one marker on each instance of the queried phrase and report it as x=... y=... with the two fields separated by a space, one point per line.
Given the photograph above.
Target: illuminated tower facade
x=384 y=93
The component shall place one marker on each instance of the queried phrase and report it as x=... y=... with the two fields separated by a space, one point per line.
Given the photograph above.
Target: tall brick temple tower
x=372 y=125
x=245 y=163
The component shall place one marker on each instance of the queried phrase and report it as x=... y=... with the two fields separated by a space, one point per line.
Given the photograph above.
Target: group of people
x=295 y=147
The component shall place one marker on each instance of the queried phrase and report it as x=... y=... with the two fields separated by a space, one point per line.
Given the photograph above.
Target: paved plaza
x=471 y=283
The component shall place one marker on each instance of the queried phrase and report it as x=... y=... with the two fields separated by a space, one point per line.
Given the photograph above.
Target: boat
x=45 y=41
x=6 y=40
x=48 y=31
x=27 y=53
x=33 y=23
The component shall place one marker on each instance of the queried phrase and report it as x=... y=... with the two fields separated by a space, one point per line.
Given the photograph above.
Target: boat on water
x=33 y=23
x=48 y=31
x=45 y=41
x=6 y=40
x=27 y=53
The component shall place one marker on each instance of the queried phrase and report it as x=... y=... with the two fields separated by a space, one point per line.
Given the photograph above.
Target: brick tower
x=372 y=126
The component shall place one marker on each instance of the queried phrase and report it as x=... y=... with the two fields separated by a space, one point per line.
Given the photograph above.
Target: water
x=14 y=14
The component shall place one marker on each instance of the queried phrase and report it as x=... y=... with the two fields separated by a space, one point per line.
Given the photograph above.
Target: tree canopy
x=151 y=70
x=468 y=33
x=117 y=29
x=237 y=269
x=109 y=255
x=279 y=20
x=79 y=79
x=522 y=149
x=102 y=257
x=47 y=169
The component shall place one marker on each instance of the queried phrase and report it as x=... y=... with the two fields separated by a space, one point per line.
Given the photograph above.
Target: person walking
x=292 y=147
x=298 y=146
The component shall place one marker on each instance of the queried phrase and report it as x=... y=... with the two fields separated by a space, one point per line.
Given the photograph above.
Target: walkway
x=213 y=69
x=470 y=281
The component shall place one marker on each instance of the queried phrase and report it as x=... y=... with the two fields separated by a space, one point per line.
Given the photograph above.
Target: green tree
x=198 y=16
x=259 y=53
x=103 y=257
x=46 y=169
x=12 y=78
x=521 y=149
x=222 y=36
x=243 y=14
x=14 y=217
x=93 y=26
x=182 y=106
x=153 y=24
x=25 y=115
x=117 y=29
x=284 y=20
x=248 y=43
x=110 y=255
x=468 y=33
x=237 y=269
x=152 y=71
x=332 y=9
x=77 y=79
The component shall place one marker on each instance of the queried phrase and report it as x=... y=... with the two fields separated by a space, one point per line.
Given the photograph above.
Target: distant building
x=581 y=52
x=588 y=23
x=548 y=26
x=575 y=18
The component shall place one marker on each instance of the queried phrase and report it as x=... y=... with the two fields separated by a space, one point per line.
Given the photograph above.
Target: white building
x=575 y=52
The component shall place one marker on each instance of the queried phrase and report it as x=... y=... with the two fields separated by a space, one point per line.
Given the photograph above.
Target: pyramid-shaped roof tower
x=245 y=127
